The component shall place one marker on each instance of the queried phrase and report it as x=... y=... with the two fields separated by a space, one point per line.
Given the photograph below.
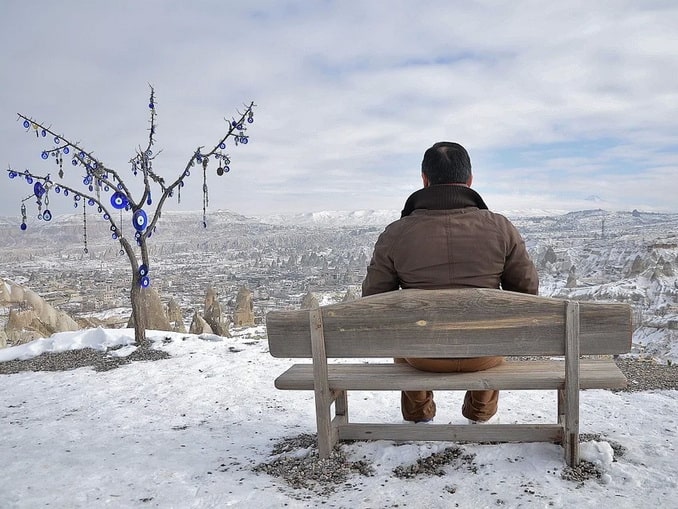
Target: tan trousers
x=478 y=405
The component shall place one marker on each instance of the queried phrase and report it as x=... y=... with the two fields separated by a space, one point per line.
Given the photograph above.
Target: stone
x=349 y=295
x=199 y=325
x=309 y=301
x=213 y=315
x=156 y=319
x=243 y=316
x=30 y=316
x=175 y=316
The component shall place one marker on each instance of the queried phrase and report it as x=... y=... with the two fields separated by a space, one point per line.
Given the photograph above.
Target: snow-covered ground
x=186 y=432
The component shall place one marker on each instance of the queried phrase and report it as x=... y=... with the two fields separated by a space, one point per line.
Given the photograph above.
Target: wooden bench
x=451 y=323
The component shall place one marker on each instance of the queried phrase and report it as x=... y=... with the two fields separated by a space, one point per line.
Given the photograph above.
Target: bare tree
x=99 y=180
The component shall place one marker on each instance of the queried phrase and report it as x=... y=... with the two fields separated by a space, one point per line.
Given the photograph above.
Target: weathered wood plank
x=517 y=375
x=450 y=323
x=323 y=395
x=572 y=384
x=452 y=432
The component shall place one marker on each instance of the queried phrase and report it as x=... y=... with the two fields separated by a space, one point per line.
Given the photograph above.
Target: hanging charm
x=84 y=226
x=23 y=216
x=205 y=195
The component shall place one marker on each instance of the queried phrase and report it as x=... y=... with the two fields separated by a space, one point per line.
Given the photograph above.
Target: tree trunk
x=138 y=313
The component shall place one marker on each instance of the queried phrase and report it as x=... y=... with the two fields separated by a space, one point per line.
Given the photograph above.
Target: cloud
x=563 y=101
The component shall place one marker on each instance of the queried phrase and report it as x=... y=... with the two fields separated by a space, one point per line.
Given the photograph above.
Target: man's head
x=446 y=163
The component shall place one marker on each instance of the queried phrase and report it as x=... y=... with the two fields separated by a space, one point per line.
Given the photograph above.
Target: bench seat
x=517 y=375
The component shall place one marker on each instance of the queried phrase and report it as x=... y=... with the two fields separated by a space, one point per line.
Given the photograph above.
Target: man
x=446 y=238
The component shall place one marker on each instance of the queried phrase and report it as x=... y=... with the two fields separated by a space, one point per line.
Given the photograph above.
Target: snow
x=186 y=432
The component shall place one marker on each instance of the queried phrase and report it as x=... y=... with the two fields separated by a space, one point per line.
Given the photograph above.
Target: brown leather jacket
x=448 y=239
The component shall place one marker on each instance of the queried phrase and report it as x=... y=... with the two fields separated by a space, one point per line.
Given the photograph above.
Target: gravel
x=72 y=359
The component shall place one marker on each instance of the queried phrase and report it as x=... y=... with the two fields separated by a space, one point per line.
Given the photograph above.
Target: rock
x=213 y=315
x=349 y=296
x=243 y=315
x=35 y=318
x=199 y=325
x=175 y=316
x=156 y=319
x=309 y=301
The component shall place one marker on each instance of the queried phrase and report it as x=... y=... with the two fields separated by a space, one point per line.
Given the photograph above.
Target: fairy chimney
x=36 y=319
x=175 y=316
x=243 y=315
x=156 y=319
x=199 y=325
x=309 y=301
x=213 y=314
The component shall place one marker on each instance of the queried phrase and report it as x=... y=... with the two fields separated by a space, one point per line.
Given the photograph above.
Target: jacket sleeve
x=381 y=274
x=520 y=274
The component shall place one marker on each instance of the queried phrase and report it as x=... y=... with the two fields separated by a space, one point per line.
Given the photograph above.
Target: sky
x=174 y=433
x=561 y=105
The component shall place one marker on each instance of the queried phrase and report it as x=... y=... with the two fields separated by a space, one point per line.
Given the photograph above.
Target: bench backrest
x=450 y=323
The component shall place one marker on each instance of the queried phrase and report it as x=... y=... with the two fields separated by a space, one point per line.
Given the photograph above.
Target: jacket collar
x=443 y=197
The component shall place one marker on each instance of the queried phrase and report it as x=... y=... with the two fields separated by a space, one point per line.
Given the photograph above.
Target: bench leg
x=561 y=406
x=340 y=407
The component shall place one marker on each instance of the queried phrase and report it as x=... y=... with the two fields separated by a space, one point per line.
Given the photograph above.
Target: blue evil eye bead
x=38 y=190
x=140 y=220
x=250 y=120
x=27 y=124
x=106 y=188
x=75 y=204
x=12 y=174
x=57 y=140
x=90 y=202
x=44 y=133
x=149 y=200
x=107 y=217
x=222 y=145
x=118 y=200
x=74 y=162
x=47 y=215
x=23 y=226
x=114 y=236
x=66 y=150
x=65 y=192
x=151 y=105
x=44 y=154
x=143 y=270
x=57 y=189
x=29 y=179
x=77 y=197
x=244 y=140
x=145 y=281
x=226 y=169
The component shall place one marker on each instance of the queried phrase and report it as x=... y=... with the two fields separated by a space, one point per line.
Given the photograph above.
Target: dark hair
x=446 y=163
